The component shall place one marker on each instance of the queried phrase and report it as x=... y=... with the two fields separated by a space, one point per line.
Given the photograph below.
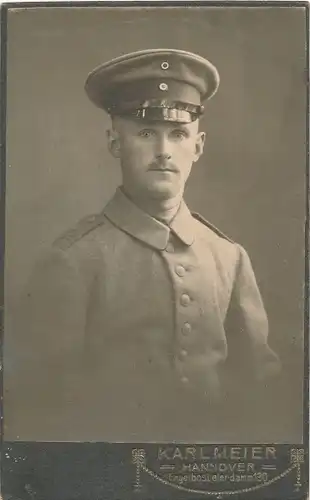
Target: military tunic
x=135 y=331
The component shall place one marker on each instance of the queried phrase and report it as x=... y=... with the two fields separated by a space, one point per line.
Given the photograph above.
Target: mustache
x=162 y=166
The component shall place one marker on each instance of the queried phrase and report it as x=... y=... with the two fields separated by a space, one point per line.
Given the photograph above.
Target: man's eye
x=145 y=133
x=179 y=134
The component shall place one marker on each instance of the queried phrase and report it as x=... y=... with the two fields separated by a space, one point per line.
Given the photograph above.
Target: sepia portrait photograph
x=155 y=237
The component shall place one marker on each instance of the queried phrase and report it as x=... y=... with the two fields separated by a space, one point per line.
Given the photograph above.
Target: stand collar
x=123 y=213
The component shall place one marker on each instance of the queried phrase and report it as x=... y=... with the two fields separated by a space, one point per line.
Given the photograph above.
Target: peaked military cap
x=155 y=84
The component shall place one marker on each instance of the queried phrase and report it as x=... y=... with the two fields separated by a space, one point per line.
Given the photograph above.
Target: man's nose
x=163 y=149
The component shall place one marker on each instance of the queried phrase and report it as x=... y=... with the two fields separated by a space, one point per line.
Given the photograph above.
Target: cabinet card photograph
x=155 y=295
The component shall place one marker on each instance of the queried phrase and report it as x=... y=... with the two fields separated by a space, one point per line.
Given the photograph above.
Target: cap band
x=153 y=89
x=163 y=114
x=155 y=109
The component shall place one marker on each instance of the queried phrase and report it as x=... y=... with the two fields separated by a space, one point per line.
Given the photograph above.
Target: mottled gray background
x=250 y=182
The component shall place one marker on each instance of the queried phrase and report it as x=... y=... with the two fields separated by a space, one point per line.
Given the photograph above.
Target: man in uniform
x=144 y=322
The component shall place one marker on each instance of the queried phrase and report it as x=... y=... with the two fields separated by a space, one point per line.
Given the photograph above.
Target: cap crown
x=161 y=79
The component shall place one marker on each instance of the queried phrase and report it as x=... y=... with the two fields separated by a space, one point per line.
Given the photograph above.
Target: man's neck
x=163 y=210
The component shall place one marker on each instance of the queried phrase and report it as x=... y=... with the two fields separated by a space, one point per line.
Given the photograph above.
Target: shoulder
x=226 y=252
x=75 y=234
x=211 y=227
x=230 y=256
x=71 y=255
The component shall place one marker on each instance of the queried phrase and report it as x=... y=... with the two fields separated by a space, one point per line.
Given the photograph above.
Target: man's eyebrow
x=144 y=124
x=180 y=127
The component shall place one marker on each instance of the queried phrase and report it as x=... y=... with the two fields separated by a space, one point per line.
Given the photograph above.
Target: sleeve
x=43 y=347
x=252 y=367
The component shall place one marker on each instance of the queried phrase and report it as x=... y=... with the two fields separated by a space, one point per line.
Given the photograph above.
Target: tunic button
x=170 y=248
x=180 y=270
x=187 y=328
x=183 y=353
x=185 y=299
x=184 y=380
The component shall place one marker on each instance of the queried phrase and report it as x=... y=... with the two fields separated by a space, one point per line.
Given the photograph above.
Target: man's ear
x=200 y=142
x=113 y=142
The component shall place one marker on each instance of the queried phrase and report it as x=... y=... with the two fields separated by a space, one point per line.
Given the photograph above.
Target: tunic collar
x=124 y=214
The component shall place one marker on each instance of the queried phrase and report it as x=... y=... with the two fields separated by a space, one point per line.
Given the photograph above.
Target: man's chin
x=163 y=193
x=163 y=190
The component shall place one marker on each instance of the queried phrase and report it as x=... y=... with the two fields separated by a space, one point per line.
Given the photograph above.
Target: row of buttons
x=185 y=301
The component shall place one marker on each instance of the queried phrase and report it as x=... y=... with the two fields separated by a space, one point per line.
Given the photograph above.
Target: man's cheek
x=184 y=156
